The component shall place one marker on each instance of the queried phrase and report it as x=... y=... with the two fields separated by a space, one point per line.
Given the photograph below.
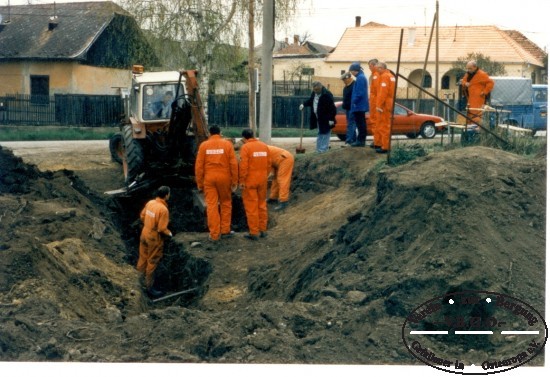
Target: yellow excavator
x=159 y=138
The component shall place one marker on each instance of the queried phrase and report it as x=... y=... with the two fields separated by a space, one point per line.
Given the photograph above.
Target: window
x=40 y=90
x=157 y=100
x=445 y=82
x=427 y=82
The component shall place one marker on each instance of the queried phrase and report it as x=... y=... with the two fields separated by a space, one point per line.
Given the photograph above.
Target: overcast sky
x=326 y=20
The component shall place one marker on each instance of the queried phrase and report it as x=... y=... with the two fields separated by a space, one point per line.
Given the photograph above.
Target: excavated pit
x=356 y=251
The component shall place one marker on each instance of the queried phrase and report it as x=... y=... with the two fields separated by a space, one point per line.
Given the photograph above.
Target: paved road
x=35 y=148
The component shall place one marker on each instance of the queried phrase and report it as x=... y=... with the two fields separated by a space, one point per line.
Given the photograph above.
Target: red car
x=406 y=122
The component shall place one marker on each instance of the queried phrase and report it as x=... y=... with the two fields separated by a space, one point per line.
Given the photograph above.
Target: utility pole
x=266 y=89
x=252 y=84
x=437 y=53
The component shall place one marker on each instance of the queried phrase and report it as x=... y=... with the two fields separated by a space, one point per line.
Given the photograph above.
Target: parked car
x=406 y=122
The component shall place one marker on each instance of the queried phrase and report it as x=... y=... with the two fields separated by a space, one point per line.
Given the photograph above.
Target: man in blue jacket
x=359 y=103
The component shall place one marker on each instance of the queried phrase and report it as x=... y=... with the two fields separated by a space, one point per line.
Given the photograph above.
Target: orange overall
x=479 y=88
x=216 y=171
x=282 y=163
x=254 y=168
x=384 y=101
x=373 y=114
x=155 y=217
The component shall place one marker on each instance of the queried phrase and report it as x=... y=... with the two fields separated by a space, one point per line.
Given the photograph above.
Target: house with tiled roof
x=69 y=48
x=296 y=63
x=520 y=56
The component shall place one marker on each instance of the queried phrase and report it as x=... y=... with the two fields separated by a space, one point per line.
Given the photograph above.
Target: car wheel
x=412 y=135
x=428 y=130
x=511 y=122
x=341 y=137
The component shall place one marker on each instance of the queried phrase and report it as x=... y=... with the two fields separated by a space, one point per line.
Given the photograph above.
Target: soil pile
x=357 y=250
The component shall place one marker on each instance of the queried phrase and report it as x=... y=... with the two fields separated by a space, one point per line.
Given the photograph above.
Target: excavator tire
x=133 y=159
x=116 y=147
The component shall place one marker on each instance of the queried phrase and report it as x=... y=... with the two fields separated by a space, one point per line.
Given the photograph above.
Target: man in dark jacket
x=359 y=103
x=351 y=135
x=322 y=115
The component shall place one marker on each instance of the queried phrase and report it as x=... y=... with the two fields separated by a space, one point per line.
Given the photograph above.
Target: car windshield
x=399 y=110
x=540 y=94
x=157 y=100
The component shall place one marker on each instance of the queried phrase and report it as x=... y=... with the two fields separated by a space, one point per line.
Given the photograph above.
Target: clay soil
x=360 y=246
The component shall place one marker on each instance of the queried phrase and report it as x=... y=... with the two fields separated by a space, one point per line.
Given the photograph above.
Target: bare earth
x=361 y=245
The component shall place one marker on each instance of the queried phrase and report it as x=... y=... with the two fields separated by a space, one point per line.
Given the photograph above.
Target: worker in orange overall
x=282 y=163
x=476 y=86
x=374 y=83
x=384 y=106
x=254 y=167
x=155 y=218
x=216 y=173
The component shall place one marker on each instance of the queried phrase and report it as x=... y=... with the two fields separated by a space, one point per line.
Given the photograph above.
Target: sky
x=326 y=20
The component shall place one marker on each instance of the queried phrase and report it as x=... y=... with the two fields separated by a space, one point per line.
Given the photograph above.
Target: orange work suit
x=478 y=90
x=216 y=170
x=155 y=218
x=254 y=168
x=384 y=101
x=282 y=163
x=373 y=114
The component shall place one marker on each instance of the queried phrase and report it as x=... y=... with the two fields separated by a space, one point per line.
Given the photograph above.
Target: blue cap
x=355 y=66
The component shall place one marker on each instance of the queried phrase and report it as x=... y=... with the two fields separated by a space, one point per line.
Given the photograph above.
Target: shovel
x=300 y=149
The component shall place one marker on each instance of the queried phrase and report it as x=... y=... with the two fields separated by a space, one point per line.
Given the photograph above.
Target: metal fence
x=228 y=110
x=232 y=110
x=61 y=109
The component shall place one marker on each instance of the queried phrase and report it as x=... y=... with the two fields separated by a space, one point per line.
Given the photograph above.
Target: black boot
x=282 y=206
x=152 y=292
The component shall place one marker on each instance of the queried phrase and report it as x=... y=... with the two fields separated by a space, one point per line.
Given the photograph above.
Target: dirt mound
x=360 y=247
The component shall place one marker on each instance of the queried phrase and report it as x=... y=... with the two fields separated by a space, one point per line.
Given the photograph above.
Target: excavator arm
x=200 y=126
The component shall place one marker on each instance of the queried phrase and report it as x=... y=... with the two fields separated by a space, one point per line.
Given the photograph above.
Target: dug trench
x=361 y=245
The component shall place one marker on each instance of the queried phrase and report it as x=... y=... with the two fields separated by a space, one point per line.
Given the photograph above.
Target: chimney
x=53 y=19
x=52 y=24
x=412 y=36
x=296 y=39
x=357 y=21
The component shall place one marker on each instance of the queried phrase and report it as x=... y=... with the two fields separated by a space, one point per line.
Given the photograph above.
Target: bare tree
x=199 y=27
x=305 y=37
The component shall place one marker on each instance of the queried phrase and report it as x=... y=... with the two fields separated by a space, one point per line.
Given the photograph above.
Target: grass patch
x=521 y=144
x=37 y=133
x=405 y=153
